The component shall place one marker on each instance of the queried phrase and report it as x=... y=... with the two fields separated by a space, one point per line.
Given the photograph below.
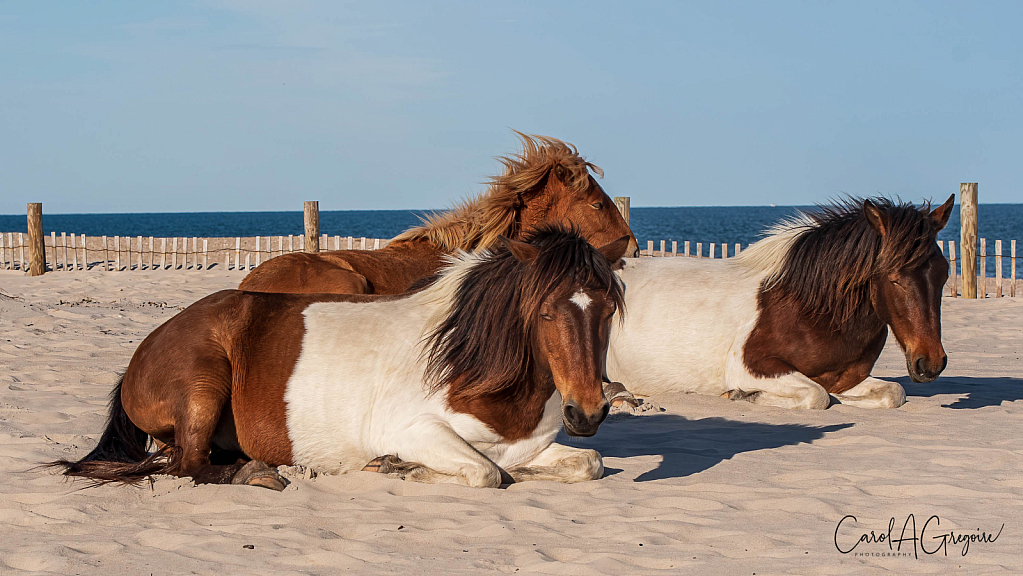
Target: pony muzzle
x=579 y=422
x=924 y=367
x=632 y=251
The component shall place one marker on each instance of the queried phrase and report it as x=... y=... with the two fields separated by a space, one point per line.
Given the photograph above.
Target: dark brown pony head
x=529 y=318
x=548 y=182
x=864 y=259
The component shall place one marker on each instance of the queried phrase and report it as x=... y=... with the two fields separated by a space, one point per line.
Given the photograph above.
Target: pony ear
x=522 y=251
x=941 y=213
x=615 y=250
x=561 y=173
x=877 y=219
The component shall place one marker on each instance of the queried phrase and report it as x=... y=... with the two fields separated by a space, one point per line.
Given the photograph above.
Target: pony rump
x=809 y=274
x=477 y=224
x=484 y=344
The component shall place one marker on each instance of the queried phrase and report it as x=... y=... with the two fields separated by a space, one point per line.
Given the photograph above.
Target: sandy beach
x=706 y=486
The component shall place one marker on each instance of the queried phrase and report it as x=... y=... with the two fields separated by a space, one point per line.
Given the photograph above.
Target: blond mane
x=476 y=223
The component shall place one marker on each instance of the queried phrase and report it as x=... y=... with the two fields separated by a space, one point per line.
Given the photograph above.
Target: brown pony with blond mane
x=547 y=182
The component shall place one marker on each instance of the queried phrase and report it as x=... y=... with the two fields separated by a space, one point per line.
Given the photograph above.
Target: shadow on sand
x=979 y=392
x=691 y=446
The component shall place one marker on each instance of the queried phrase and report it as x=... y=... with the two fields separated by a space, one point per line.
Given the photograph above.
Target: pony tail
x=122 y=454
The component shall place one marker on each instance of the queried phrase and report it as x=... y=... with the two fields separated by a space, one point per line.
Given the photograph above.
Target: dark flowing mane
x=476 y=224
x=831 y=259
x=484 y=345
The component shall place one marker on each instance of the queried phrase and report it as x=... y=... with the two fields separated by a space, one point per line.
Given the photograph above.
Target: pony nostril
x=918 y=366
x=944 y=362
x=571 y=414
x=604 y=411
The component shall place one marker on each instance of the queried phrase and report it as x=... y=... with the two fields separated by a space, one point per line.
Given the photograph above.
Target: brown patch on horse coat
x=785 y=341
x=513 y=416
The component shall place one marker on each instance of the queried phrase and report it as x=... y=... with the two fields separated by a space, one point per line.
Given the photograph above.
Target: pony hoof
x=256 y=473
x=396 y=468
x=619 y=397
x=737 y=394
x=383 y=464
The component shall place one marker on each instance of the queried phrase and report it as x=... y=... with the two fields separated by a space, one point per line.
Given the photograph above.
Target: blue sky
x=250 y=105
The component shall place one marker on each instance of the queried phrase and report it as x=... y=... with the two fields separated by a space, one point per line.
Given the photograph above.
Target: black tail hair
x=122 y=454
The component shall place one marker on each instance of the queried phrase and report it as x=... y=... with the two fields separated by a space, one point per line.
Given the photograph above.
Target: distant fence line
x=68 y=252
x=125 y=253
x=1002 y=286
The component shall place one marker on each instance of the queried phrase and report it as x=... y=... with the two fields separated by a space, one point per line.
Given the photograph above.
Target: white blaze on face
x=581 y=299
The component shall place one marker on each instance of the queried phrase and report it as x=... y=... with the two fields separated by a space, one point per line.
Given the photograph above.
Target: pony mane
x=823 y=260
x=484 y=343
x=476 y=223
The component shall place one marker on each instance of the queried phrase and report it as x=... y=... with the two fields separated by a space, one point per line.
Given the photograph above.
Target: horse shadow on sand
x=690 y=446
x=976 y=392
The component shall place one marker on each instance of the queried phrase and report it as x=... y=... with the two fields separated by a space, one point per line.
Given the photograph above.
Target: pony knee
x=817 y=398
x=877 y=394
x=480 y=476
x=588 y=465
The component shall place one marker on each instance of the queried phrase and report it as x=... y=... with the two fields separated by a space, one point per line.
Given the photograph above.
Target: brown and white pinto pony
x=548 y=182
x=799 y=318
x=466 y=381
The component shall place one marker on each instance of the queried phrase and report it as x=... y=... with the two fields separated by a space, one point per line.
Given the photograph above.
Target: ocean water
x=731 y=224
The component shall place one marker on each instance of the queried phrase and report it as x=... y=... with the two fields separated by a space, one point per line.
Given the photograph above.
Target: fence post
x=1012 y=252
x=952 y=265
x=312 y=226
x=982 y=270
x=968 y=237
x=622 y=202
x=36 y=244
x=998 y=268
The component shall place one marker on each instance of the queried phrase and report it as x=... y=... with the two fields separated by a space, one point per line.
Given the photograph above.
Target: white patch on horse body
x=357 y=392
x=685 y=316
x=581 y=299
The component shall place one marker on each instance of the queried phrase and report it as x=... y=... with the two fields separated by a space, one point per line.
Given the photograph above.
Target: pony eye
x=597 y=205
x=546 y=316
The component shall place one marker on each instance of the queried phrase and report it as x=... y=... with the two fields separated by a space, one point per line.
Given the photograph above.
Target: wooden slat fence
x=69 y=252
x=1004 y=282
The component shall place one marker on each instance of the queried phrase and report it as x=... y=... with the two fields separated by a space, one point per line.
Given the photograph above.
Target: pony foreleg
x=874 y=393
x=792 y=390
x=787 y=391
x=559 y=463
x=432 y=453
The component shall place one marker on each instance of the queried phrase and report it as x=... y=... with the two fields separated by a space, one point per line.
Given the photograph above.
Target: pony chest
x=510 y=450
